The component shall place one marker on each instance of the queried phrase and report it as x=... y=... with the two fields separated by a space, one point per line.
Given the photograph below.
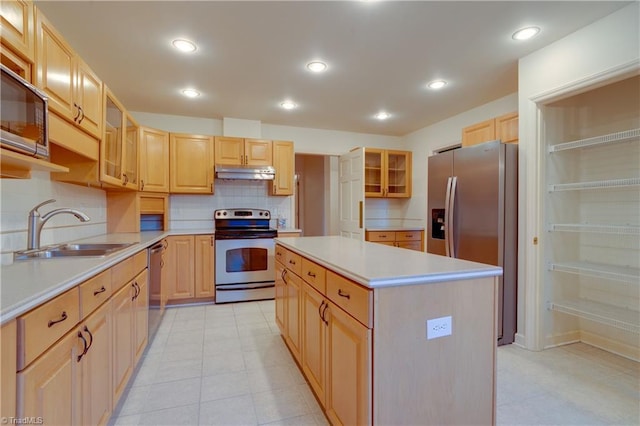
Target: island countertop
x=376 y=265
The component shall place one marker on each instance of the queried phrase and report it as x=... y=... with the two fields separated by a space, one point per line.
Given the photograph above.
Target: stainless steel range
x=245 y=255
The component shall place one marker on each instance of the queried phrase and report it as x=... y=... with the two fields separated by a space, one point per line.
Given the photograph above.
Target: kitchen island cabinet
x=362 y=301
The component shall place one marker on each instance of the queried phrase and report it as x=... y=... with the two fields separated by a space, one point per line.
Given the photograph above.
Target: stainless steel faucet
x=36 y=222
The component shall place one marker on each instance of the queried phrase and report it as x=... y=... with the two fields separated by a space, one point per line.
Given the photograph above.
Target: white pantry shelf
x=617 y=273
x=622 y=318
x=633 y=230
x=617 y=137
x=599 y=184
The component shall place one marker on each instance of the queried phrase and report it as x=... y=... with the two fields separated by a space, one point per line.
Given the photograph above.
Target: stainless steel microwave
x=23 y=116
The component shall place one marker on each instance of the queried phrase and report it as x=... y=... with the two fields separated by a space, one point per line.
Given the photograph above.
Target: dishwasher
x=156 y=307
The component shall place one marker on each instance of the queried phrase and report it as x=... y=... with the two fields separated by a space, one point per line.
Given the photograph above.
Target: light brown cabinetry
x=239 y=151
x=119 y=142
x=189 y=268
x=387 y=173
x=8 y=368
x=154 y=160
x=504 y=127
x=327 y=321
x=284 y=163
x=412 y=240
x=122 y=340
x=18 y=38
x=191 y=164
x=75 y=92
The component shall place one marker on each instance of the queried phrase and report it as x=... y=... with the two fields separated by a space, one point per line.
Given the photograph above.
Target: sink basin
x=72 y=250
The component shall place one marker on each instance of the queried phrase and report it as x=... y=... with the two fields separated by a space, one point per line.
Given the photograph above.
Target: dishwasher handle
x=158 y=248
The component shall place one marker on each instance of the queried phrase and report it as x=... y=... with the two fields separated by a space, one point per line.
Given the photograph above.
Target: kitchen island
x=389 y=336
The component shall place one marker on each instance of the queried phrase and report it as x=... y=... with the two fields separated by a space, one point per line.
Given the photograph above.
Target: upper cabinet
x=75 y=92
x=504 y=128
x=191 y=164
x=18 y=44
x=387 y=173
x=117 y=142
x=239 y=151
x=283 y=162
x=154 y=160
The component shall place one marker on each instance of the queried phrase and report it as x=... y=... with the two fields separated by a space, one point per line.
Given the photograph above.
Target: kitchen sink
x=72 y=250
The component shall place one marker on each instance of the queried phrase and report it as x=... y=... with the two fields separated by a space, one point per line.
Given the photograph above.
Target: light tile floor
x=227 y=365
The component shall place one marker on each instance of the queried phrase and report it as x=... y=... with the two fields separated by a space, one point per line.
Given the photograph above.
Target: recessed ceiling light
x=382 y=115
x=525 y=33
x=316 y=66
x=288 y=105
x=191 y=93
x=437 y=84
x=184 y=45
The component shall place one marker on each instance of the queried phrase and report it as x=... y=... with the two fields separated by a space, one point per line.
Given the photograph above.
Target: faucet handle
x=35 y=209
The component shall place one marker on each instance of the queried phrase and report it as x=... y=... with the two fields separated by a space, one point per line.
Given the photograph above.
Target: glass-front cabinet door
x=398 y=174
x=130 y=164
x=111 y=152
x=373 y=172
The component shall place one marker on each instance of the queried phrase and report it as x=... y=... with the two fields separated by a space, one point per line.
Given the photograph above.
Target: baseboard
x=561 y=339
x=613 y=346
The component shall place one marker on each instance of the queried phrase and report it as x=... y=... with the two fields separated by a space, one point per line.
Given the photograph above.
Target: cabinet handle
x=81 y=113
x=211 y=241
x=340 y=293
x=125 y=179
x=141 y=184
x=97 y=292
x=382 y=236
x=137 y=289
x=84 y=342
x=78 y=114
x=326 y=306
x=284 y=273
x=165 y=244
x=246 y=159
x=311 y=274
x=62 y=318
x=162 y=263
x=320 y=310
x=90 y=341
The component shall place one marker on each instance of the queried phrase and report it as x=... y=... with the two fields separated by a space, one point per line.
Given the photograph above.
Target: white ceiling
x=251 y=55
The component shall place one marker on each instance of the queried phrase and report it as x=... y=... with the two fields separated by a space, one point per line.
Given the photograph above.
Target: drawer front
x=351 y=297
x=408 y=235
x=281 y=254
x=293 y=262
x=378 y=236
x=122 y=273
x=139 y=262
x=411 y=245
x=94 y=292
x=314 y=274
x=40 y=328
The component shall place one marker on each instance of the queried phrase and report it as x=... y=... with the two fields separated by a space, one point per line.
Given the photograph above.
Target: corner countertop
x=286 y=230
x=376 y=265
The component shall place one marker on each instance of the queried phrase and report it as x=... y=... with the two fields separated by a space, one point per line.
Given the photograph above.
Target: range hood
x=245 y=172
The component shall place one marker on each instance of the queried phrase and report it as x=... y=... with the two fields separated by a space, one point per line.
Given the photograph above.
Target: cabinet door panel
x=96 y=368
x=181 y=273
x=349 y=369
x=141 y=315
x=281 y=294
x=154 y=160
x=191 y=164
x=507 y=128
x=314 y=340
x=258 y=152
x=122 y=340
x=56 y=64
x=478 y=133
x=88 y=95
x=204 y=266
x=293 y=301
x=17 y=27
x=283 y=162
x=374 y=182
x=229 y=151
x=51 y=385
x=398 y=174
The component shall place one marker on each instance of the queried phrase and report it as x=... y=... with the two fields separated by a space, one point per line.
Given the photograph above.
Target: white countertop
x=394 y=228
x=376 y=265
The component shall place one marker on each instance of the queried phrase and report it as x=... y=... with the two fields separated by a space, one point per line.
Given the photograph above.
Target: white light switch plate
x=439 y=327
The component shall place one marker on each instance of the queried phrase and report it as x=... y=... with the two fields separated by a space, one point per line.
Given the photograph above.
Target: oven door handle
x=247 y=288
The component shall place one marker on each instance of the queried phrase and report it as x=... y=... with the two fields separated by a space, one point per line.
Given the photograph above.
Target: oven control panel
x=242 y=214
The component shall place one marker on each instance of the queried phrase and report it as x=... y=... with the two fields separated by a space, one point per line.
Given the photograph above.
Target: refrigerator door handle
x=447 y=201
x=452 y=211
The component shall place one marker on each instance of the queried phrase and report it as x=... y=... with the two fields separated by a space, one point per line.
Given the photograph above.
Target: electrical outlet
x=439 y=327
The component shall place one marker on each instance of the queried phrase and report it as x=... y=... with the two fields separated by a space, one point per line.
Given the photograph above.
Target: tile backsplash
x=19 y=196
x=196 y=211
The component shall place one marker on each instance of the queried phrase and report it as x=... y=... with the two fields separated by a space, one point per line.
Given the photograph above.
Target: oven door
x=243 y=261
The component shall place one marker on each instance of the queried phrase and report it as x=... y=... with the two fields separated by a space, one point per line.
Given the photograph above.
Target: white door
x=352 y=194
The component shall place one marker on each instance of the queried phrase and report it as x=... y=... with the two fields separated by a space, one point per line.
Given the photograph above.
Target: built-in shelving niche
x=592 y=217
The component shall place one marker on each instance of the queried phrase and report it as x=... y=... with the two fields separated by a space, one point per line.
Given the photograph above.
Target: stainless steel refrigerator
x=473 y=208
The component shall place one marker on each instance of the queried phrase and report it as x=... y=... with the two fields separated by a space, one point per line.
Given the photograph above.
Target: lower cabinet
x=332 y=347
x=190 y=267
x=8 y=368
